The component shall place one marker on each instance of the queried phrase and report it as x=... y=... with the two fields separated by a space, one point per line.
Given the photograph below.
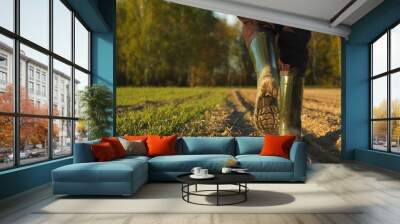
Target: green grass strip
x=169 y=119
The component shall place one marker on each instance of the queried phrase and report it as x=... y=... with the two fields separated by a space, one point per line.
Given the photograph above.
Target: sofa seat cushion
x=185 y=163
x=112 y=171
x=133 y=157
x=257 y=163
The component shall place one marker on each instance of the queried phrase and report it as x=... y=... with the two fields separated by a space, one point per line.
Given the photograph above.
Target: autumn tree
x=166 y=44
x=161 y=43
x=6 y=122
x=33 y=131
x=324 y=65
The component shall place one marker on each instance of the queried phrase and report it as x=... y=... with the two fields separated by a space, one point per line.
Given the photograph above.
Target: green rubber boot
x=290 y=102
x=263 y=56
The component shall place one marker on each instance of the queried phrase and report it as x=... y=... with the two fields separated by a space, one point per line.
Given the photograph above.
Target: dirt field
x=320 y=120
x=225 y=112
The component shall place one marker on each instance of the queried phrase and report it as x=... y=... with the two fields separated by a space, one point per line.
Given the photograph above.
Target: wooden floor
x=378 y=189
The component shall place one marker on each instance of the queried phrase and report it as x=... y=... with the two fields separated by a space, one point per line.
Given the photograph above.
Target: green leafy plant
x=96 y=102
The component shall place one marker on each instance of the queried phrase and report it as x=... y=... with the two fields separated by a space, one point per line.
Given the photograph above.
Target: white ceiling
x=321 y=9
x=314 y=15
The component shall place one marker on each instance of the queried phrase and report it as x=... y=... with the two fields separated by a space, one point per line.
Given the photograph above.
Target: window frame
x=388 y=74
x=16 y=115
x=3 y=71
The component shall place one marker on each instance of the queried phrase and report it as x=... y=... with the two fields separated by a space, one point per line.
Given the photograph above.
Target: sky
x=230 y=19
x=395 y=45
x=379 y=58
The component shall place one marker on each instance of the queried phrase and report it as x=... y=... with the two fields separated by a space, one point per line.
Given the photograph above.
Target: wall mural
x=188 y=71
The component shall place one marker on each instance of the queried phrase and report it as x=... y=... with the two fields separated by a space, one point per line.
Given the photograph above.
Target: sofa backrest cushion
x=161 y=145
x=249 y=145
x=116 y=145
x=104 y=152
x=277 y=145
x=206 y=145
x=83 y=152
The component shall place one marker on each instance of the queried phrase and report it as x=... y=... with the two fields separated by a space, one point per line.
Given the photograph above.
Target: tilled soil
x=320 y=121
x=233 y=118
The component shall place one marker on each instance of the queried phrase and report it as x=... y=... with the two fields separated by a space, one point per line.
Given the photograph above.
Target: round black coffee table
x=238 y=179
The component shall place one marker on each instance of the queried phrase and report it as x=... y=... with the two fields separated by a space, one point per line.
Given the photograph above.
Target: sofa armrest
x=83 y=152
x=299 y=159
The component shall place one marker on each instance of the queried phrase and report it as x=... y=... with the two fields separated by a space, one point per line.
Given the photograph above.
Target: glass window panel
x=62 y=138
x=81 y=82
x=62 y=29
x=81 y=45
x=379 y=55
x=379 y=97
x=33 y=140
x=81 y=131
x=395 y=47
x=395 y=136
x=62 y=89
x=36 y=62
x=395 y=94
x=6 y=74
x=34 y=21
x=6 y=142
x=7 y=14
x=379 y=135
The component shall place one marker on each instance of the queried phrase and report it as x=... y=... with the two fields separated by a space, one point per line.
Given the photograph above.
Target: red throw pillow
x=103 y=152
x=116 y=145
x=277 y=145
x=135 y=137
x=161 y=145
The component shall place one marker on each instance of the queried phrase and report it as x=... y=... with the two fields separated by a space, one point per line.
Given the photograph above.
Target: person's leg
x=292 y=44
x=290 y=102
x=260 y=41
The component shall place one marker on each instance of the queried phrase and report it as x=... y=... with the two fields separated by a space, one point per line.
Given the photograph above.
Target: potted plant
x=96 y=102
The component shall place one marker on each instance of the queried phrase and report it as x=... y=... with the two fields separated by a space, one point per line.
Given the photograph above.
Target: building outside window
x=59 y=127
x=3 y=78
x=38 y=89
x=30 y=72
x=37 y=75
x=55 y=97
x=3 y=72
x=43 y=90
x=385 y=94
x=30 y=87
x=44 y=77
x=3 y=61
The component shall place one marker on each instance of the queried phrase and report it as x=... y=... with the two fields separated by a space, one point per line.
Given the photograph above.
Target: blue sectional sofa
x=125 y=176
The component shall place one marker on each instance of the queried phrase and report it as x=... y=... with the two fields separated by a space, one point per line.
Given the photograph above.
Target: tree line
x=166 y=44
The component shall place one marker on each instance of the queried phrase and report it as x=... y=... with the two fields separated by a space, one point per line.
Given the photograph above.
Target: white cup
x=226 y=170
x=203 y=172
x=196 y=171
